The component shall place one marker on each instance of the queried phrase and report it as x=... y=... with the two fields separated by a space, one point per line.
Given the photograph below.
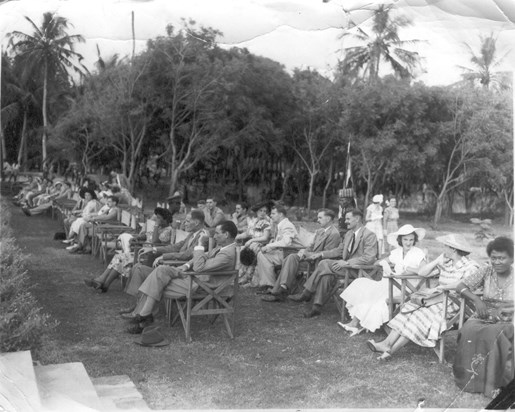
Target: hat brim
x=446 y=241
x=164 y=342
x=392 y=237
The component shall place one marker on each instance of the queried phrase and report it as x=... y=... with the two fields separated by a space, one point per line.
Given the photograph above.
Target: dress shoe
x=300 y=297
x=312 y=313
x=72 y=247
x=92 y=283
x=129 y=316
x=67 y=241
x=26 y=211
x=142 y=324
x=140 y=319
x=273 y=298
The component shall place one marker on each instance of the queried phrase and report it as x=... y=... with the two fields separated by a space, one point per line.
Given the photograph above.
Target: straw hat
x=456 y=241
x=377 y=199
x=405 y=230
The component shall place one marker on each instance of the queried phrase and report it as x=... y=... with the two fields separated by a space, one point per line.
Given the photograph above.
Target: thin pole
x=133 y=36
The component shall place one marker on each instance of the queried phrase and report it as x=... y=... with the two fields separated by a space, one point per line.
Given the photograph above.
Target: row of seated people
x=365 y=298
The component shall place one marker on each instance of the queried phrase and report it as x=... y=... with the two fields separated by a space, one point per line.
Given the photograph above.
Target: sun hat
x=456 y=241
x=58 y=182
x=377 y=199
x=152 y=336
x=405 y=230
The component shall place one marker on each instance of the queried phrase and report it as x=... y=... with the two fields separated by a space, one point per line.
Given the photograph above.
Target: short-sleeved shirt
x=487 y=277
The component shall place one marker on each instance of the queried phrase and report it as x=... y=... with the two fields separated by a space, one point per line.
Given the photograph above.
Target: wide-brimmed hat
x=85 y=190
x=377 y=199
x=152 y=336
x=259 y=205
x=176 y=195
x=456 y=241
x=58 y=182
x=403 y=231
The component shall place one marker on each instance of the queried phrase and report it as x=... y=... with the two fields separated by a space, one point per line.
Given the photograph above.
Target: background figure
x=374 y=219
x=390 y=220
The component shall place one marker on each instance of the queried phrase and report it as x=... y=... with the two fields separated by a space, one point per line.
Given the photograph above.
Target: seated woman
x=91 y=208
x=423 y=325
x=485 y=343
x=121 y=263
x=366 y=298
x=257 y=234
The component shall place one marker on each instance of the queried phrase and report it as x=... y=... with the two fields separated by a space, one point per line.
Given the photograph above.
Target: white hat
x=456 y=241
x=377 y=199
x=405 y=230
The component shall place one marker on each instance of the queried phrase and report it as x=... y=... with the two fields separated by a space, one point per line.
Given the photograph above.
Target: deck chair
x=206 y=300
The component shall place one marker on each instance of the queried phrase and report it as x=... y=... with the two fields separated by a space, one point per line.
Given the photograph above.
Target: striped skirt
x=424 y=325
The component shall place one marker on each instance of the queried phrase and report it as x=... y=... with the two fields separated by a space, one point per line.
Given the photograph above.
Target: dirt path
x=278 y=359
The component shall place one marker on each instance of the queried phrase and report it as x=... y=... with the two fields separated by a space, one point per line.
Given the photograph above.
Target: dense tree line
x=206 y=113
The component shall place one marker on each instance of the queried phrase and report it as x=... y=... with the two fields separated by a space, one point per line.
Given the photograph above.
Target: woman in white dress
x=366 y=298
x=374 y=219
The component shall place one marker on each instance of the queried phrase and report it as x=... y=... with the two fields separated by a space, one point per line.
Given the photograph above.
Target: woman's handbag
x=425 y=298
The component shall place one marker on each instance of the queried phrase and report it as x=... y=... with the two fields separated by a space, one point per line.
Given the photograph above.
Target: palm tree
x=48 y=51
x=382 y=44
x=484 y=62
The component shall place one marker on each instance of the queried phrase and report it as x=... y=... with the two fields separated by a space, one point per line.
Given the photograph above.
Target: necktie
x=351 y=244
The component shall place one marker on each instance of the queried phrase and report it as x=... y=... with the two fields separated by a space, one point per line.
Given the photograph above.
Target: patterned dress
x=256 y=228
x=391 y=218
x=122 y=262
x=424 y=325
x=485 y=346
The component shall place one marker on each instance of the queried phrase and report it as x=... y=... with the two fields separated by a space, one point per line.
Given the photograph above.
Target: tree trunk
x=23 y=138
x=328 y=183
x=174 y=178
x=439 y=208
x=45 y=119
x=310 y=193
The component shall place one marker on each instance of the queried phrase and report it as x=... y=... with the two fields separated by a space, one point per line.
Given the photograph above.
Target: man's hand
x=157 y=262
x=145 y=250
x=265 y=249
x=338 y=265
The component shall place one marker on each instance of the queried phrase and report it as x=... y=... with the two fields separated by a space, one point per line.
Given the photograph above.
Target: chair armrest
x=173 y=262
x=220 y=273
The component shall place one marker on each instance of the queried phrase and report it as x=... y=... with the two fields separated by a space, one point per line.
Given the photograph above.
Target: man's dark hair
x=201 y=202
x=213 y=198
x=327 y=212
x=114 y=199
x=115 y=189
x=198 y=215
x=356 y=212
x=500 y=244
x=280 y=207
x=228 y=226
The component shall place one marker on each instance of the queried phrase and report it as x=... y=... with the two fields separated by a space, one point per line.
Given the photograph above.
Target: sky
x=297 y=33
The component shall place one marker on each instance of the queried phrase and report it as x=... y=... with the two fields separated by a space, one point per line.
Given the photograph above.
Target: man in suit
x=182 y=250
x=271 y=255
x=171 y=279
x=359 y=247
x=326 y=238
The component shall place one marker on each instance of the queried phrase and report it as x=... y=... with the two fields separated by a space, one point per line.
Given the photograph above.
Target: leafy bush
x=22 y=325
x=484 y=229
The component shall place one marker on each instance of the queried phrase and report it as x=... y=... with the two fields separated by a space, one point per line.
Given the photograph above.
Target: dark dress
x=484 y=356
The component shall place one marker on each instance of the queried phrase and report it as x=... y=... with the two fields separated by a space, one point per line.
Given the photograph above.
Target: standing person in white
x=374 y=219
x=366 y=298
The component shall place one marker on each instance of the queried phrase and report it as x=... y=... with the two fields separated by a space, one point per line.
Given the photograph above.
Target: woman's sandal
x=372 y=346
x=386 y=356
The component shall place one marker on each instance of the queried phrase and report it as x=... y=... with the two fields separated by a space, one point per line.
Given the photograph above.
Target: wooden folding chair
x=407 y=284
x=207 y=300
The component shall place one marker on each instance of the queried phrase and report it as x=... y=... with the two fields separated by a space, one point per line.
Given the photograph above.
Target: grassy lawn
x=277 y=360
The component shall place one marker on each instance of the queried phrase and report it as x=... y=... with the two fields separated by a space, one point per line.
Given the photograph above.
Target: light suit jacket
x=219 y=259
x=325 y=240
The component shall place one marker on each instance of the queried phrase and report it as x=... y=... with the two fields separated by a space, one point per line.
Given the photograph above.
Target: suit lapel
x=320 y=237
x=357 y=240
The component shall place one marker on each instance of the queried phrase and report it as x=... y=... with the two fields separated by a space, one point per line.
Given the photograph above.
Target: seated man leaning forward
x=359 y=247
x=326 y=238
x=183 y=250
x=171 y=279
x=271 y=255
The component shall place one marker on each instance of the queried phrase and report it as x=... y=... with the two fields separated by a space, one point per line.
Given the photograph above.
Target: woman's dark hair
x=399 y=238
x=164 y=213
x=85 y=190
x=500 y=244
